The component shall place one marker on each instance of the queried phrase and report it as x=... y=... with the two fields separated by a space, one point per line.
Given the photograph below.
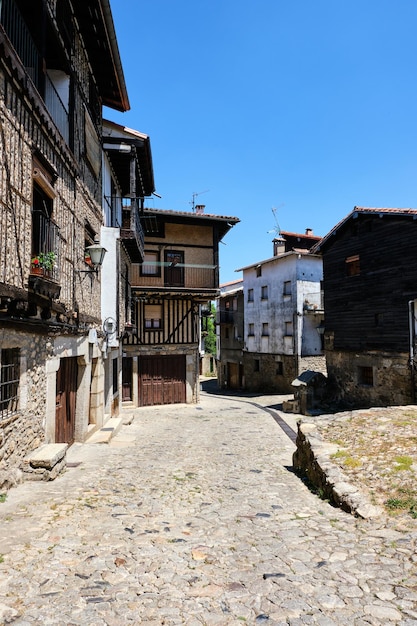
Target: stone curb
x=312 y=460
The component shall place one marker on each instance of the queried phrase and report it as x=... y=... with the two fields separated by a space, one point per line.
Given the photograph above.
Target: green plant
x=3 y=497
x=44 y=260
x=403 y=463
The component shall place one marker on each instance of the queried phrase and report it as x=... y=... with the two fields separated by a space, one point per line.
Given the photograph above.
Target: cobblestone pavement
x=192 y=516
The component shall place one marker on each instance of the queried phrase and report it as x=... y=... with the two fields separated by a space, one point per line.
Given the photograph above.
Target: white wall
x=305 y=273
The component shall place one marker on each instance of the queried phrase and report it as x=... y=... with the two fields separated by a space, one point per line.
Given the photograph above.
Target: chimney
x=309 y=232
x=199 y=209
x=279 y=246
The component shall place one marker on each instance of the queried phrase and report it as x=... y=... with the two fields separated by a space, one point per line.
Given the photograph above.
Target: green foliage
x=209 y=330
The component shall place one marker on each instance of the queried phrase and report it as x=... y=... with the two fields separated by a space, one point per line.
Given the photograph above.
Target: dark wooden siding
x=179 y=324
x=370 y=310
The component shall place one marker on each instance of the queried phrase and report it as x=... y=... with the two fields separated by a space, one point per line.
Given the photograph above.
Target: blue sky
x=308 y=107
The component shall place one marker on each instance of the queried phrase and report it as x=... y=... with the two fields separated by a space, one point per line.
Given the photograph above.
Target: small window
x=251 y=330
x=258 y=271
x=150 y=265
x=352 y=265
x=250 y=295
x=366 y=376
x=280 y=368
x=265 y=329
x=9 y=381
x=287 y=288
x=288 y=329
x=379 y=319
x=264 y=292
x=256 y=365
x=153 y=316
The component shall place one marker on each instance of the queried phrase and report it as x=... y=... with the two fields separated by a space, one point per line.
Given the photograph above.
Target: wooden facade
x=369 y=281
x=178 y=275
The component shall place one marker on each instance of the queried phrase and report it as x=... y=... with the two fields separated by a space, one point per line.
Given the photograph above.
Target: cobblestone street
x=192 y=516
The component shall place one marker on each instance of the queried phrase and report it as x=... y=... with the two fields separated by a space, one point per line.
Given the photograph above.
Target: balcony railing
x=21 y=39
x=18 y=33
x=131 y=231
x=45 y=241
x=158 y=275
x=226 y=317
x=56 y=108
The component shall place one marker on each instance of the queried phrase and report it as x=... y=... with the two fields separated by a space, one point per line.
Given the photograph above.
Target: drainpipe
x=411 y=337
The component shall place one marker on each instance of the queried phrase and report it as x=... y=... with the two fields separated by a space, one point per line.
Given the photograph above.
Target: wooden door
x=161 y=380
x=233 y=375
x=66 y=394
x=127 y=369
x=174 y=269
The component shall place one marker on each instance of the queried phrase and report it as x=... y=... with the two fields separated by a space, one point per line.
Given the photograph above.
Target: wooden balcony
x=131 y=232
x=201 y=280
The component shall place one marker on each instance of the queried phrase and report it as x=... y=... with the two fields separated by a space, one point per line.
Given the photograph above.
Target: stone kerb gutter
x=312 y=460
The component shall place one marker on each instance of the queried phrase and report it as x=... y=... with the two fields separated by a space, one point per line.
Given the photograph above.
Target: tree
x=208 y=328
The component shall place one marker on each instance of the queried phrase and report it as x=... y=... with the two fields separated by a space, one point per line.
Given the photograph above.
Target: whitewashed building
x=283 y=318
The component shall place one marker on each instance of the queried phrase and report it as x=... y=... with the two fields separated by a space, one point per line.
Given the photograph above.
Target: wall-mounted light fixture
x=96 y=253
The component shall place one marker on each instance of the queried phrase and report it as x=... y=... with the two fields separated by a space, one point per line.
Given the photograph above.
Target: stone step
x=46 y=462
x=109 y=430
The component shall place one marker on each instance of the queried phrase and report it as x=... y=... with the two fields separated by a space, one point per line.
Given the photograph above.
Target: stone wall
x=24 y=431
x=267 y=379
x=312 y=461
x=392 y=383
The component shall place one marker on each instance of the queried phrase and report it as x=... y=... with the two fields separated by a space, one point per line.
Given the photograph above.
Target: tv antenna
x=195 y=194
x=277 y=227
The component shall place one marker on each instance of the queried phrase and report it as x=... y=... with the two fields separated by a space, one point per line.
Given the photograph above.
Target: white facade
x=277 y=294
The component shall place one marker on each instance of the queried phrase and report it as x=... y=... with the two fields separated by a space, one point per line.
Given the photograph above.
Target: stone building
x=283 y=314
x=59 y=63
x=230 y=335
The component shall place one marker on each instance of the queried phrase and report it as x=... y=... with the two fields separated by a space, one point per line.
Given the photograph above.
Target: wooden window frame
x=156 y=263
x=352 y=265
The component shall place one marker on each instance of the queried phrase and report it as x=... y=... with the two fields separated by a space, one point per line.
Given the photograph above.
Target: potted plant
x=43 y=262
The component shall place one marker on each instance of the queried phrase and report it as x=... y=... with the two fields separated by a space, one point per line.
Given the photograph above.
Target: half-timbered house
x=179 y=274
x=59 y=64
x=370 y=288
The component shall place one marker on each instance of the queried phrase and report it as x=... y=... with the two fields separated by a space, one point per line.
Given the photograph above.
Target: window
x=352 y=265
x=379 y=319
x=256 y=365
x=250 y=295
x=288 y=329
x=9 y=381
x=280 y=368
x=44 y=230
x=287 y=288
x=258 y=271
x=264 y=292
x=153 y=316
x=366 y=376
x=265 y=329
x=251 y=330
x=226 y=332
x=150 y=265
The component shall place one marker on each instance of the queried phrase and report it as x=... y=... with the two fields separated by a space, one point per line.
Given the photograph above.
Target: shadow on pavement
x=211 y=386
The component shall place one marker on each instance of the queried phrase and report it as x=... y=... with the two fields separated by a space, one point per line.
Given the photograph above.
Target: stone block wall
x=392 y=382
x=24 y=431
